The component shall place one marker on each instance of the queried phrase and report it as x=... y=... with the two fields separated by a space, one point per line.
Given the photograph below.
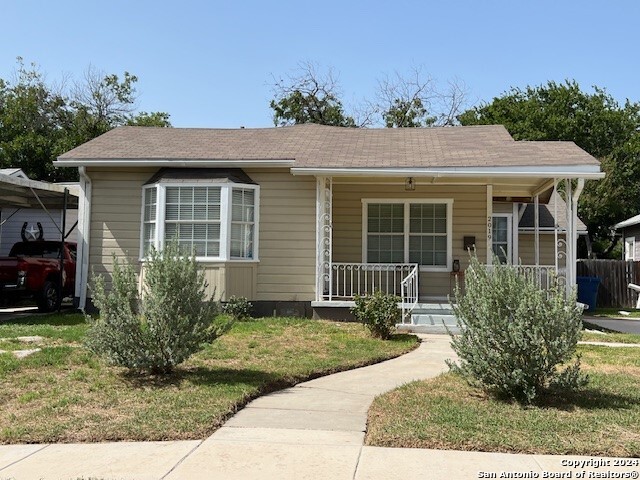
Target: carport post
x=62 y=238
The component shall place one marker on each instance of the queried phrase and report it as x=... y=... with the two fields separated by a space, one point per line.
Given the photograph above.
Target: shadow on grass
x=205 y=376
x=64 y=318
x=587 y=399
x=401 y=337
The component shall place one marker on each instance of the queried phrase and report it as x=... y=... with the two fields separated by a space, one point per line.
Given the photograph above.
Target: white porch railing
x=350 y=279
x=410 y=294
x=543 y=275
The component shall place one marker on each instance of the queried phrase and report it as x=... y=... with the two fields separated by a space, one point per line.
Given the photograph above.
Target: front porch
x=422 y=231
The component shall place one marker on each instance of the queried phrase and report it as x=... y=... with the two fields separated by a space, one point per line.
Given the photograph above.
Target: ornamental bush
x=379 y=312
x=239 y=308
x=160 y=328
x=516 y=339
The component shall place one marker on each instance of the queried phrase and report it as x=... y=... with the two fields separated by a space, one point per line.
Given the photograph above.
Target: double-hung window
x=214 y=221
x=408 y=231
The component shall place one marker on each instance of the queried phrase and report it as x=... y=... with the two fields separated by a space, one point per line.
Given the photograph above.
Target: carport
x=22 y=193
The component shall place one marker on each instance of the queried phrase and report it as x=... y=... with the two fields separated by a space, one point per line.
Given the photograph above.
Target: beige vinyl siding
x=526 y=249
x=286 y=270
x=240 y=280
x=469 y=219
x=287 y=242
x=115 y=216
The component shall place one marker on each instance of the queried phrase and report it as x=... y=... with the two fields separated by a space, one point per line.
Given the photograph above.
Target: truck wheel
x=48 y=298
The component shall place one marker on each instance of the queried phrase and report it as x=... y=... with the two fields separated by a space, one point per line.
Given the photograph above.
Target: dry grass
x=66 y=394
x=445 y=412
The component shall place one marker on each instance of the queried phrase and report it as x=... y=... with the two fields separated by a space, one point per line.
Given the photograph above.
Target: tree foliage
x=309 y=97
x=596 y=122
x=39 y=121
x=416 y=100
x=412 y=100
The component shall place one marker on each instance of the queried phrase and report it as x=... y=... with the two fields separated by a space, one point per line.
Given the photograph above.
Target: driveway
x=622 y=325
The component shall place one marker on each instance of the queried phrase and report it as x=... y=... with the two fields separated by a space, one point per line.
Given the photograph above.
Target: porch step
x=431 y=318
x=433 y=308
x=440 y=330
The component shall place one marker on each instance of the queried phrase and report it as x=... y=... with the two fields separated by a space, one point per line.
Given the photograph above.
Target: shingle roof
x=545 y=215
x=317 y=146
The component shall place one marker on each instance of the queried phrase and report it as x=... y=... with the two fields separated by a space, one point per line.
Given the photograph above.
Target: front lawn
x=611 y=337
x=65 y=394
x=603 y=419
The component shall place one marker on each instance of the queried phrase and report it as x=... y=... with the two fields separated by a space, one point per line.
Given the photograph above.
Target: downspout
x=84 y=229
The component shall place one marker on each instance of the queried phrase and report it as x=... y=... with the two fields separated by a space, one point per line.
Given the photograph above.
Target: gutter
x=177 y=163
x=84 y=229
x=583 y=171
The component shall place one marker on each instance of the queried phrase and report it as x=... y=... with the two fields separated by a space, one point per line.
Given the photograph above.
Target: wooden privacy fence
x=615 y=276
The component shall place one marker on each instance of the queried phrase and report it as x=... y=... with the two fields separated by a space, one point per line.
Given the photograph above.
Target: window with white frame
x=408 y=231
x=216 y=222
x=630 y=248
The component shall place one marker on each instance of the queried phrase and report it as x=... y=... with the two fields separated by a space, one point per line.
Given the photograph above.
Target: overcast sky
x=210 y=63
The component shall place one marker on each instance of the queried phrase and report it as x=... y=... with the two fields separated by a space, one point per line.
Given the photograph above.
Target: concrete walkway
x=314 y=430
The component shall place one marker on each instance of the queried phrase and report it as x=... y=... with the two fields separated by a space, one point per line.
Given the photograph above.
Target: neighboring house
x=630 y=229
x=304 y=217
x=13 y=219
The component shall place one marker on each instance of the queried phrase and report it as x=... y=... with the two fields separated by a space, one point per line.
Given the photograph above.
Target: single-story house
x=302 y=218
x=630 y=229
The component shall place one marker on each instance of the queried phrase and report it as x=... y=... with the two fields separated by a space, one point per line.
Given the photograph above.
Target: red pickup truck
x=32 y=269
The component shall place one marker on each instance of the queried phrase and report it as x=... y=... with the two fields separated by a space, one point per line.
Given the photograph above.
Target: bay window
x=216 y=222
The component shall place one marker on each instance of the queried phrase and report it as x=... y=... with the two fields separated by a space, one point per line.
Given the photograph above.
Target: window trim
x=630 y=242
x=226 y=195
x=406 y=233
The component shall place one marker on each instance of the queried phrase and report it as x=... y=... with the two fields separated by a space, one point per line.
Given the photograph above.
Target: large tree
x=313 y=95
x=416 y=100
x=39 y=121
x=596 y=122
x=308 y=96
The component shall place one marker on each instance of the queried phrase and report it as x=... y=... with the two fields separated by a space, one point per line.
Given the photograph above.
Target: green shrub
x=160 y=328
x=239 y=308
x=379 y=312
x=516 y=339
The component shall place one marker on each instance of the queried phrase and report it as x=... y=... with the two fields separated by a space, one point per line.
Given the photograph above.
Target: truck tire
x=48 y=299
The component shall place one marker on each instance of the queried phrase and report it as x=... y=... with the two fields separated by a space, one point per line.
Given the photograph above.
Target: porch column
x=324 y=197
x=572 y=225
x=489 y=224
x=515 y=224
x=536 y=229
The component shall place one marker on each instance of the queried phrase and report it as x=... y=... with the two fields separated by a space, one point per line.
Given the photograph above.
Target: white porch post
x=489 y=224
x=515 y=224
x=555 y=227
x=536 y=228
x=571 y=199
x=573 y=248
x=324 y=197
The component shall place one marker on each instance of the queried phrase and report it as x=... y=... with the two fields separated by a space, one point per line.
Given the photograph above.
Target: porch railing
x=543 y=275
x=410 y=294
x=350 y=279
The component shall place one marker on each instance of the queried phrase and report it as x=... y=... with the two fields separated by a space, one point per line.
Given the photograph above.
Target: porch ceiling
x=509 y=187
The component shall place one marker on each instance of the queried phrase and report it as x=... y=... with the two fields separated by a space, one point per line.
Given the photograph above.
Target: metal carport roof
x=19 y=192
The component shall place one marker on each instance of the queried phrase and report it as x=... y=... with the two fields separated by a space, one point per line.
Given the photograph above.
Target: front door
x=501 y=237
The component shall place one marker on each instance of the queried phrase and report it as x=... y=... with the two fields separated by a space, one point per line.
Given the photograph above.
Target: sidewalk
x=314 y=430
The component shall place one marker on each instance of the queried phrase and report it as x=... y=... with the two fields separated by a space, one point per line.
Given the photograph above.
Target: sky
x=212 y=63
